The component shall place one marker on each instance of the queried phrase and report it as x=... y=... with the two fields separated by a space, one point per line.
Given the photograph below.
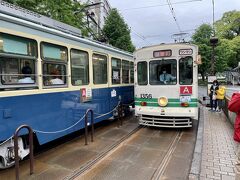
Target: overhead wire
x=157 y=5
x=140 y=36
x=159 y=35
x=174 y=15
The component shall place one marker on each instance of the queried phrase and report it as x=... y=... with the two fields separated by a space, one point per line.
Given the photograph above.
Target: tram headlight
x=163 y=101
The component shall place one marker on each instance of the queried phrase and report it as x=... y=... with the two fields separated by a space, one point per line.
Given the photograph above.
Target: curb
x=197 y=155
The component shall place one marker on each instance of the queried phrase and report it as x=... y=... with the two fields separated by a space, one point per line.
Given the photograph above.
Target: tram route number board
x=185 y=52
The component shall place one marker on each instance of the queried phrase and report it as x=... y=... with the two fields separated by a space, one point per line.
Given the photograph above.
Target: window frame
x=19 y=58
x=120 y=75
x=88 y=58
x=180 y=71
x=22 y=55
x=107 y=78
x=52 y=59
x=163 y=84
x=131 y=70
x=57 y=62
x=147 y=73
x=128 y=71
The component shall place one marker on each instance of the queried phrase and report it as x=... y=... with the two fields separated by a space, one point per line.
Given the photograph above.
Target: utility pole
x=213 y=42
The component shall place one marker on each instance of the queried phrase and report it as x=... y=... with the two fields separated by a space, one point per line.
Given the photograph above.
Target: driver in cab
x=165 y=77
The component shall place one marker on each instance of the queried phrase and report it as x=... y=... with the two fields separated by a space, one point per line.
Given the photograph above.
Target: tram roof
x=166 y=45
x=19 y=15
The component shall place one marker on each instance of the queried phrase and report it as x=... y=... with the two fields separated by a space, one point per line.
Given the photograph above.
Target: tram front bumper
x=166 y=117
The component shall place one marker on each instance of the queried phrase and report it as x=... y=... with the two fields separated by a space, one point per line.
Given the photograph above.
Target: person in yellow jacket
x=220 y=97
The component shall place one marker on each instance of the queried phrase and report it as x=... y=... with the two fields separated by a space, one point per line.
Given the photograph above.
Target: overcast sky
x=152 y=22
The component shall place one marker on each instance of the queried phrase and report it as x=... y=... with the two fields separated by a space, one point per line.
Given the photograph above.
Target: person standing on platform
x=220 y=97
x=234 y=106
x=213 y=95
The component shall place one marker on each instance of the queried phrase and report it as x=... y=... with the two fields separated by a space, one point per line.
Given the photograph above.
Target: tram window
x=10 y=44
x=54 y=74
x=100 y=70
x=131 y=72
x=15 y=71
x=17 y=60
x=53 y=52
x=142 y=73
x=116 y=71
x=125 y=72
x=163 y=72
x=79 y=67
x=186 y=71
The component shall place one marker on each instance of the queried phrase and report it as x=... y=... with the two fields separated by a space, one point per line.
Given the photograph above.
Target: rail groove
x=162 y=166
x=102 y=155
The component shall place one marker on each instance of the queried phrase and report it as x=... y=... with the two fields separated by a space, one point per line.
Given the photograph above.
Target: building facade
x=96 y=14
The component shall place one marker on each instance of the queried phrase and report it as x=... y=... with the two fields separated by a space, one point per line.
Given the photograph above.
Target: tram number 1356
x=146 y=96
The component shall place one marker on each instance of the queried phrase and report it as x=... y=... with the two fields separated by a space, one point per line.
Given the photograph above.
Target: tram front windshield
x=163 y=72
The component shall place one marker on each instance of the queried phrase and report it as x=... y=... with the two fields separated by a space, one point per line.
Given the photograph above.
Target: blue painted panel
x=56 y=111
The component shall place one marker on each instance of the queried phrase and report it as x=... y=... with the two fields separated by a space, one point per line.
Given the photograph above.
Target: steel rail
x=163 y=165
x=101 y=156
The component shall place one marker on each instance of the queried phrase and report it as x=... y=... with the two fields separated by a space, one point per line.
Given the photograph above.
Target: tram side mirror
x=199 y=60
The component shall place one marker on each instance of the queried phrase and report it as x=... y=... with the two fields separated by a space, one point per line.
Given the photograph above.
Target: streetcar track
x=163 y=165
x=101 y=156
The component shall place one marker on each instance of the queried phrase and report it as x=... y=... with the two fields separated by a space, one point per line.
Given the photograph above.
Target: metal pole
x=86 y=127
x=92 y=123
x=119 y=116
x=213 y=61
x=213 y=18
x=30 y=135
x=121 y=108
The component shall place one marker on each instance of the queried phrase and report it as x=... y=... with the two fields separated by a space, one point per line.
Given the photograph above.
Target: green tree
x=117 y=32
x=224 y=53
x=201 y=38
x=66 y=11
x=228 y=26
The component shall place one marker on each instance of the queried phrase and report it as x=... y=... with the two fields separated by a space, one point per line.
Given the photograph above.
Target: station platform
x=215 y=150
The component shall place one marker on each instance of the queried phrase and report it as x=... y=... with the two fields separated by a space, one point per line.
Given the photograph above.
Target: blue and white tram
x=50 y=76
x=166 y=90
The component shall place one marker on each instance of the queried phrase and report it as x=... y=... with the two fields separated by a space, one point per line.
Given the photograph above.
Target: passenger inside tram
x=56 y=79
x=26 y=71
x=165 y=77
x=163 y=72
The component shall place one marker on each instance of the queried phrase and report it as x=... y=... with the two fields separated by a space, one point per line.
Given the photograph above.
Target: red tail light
x=184 y=104
x=143 y=103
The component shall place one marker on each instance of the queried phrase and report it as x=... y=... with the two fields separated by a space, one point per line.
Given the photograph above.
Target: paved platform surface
x=218 y=153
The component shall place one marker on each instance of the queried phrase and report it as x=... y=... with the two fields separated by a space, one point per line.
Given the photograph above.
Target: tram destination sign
x=185 y=52
x=162 y=53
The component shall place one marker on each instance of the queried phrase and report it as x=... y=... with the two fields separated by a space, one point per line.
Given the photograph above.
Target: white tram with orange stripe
x=166 y=87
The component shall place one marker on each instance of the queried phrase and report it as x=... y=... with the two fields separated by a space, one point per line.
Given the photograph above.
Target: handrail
x=86 y=125
x=16 y=149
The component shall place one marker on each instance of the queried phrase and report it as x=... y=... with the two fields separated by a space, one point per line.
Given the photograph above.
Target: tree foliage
x=117 y=32
x=66 y=11
x=201 y=38
x=228 y=26
x=227 y=50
